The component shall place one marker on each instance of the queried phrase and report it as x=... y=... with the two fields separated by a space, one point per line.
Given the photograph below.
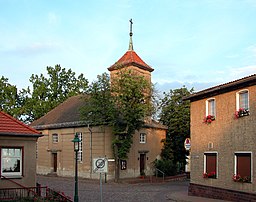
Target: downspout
x=90 y=130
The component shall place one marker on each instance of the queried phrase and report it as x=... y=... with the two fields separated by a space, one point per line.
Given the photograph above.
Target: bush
x=166 y=166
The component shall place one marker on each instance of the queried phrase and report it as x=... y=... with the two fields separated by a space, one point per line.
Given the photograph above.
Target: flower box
x=238 y=178
x=242 y=112
x=210 y=175
x=208 y=119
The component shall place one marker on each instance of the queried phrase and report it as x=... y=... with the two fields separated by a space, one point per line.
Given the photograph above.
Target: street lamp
x=76 y=141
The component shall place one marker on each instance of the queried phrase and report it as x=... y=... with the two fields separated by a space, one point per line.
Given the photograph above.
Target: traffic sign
x=100 y=165
x=187 y=144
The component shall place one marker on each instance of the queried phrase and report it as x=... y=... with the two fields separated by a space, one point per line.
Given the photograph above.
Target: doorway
x=142 y=163
x=54 y=162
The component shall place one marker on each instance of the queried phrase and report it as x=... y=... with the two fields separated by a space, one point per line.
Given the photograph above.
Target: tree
x=48 y=92
x=99 y=107
x=9 y=100
x=123 y=104
x=175 y=114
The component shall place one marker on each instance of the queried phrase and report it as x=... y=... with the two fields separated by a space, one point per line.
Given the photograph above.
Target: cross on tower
x=130 y=43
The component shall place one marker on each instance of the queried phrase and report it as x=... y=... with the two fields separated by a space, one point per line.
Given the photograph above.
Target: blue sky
x=197 y=43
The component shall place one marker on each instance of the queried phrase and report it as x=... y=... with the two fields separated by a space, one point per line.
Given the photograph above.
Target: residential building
x=55 y=149
x=223 y=141
x=18 y=153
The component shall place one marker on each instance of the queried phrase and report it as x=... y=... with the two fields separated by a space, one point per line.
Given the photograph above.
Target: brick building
x=223 y=139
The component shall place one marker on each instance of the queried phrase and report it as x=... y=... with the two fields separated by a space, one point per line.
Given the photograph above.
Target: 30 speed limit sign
x=100 y=165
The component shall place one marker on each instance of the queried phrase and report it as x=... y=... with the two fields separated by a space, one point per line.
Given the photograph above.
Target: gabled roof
x=130 y=58
x=65 y=115
x=223 y=88
x=12 y=127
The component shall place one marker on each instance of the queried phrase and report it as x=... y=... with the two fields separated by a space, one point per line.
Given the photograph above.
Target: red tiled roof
x=131 y=58
x=9 y=125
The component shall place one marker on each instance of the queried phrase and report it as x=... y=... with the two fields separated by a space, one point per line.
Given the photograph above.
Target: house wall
x=152 y=149
x=97 y=145
x=28 y=144
x=101 y=146
x=228 y=136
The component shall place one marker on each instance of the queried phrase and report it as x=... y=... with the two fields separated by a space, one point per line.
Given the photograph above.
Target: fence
x=32 y=194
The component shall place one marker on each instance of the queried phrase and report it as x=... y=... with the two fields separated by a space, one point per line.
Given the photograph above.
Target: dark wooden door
x=142 y=163
x=54 y=155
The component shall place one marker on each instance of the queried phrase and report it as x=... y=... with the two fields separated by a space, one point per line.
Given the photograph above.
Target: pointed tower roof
x=130 y=58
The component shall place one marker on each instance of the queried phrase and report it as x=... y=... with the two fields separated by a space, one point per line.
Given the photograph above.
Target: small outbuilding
x=18 y=144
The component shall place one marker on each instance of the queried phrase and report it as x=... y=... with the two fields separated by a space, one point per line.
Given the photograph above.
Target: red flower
x=208 y=119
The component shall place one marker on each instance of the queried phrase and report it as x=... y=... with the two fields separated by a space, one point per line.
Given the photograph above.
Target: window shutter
x=244 y=165
x=211 y=163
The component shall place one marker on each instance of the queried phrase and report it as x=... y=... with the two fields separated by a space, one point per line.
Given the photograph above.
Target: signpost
x=100 y=165
x=187 y=145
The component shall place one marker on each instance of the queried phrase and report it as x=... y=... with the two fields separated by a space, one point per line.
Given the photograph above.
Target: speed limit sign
x=100 y=165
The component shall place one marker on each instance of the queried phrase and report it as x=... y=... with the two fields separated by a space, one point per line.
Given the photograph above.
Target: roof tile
x=131 y=58
x=10 y=125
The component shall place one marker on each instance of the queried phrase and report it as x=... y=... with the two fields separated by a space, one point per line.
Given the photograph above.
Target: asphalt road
x=89 y=190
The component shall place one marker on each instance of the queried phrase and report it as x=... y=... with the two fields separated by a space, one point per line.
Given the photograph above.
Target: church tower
x=131 y=61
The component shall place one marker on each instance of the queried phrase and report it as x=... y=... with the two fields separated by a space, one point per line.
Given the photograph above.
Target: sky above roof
x=197 y=43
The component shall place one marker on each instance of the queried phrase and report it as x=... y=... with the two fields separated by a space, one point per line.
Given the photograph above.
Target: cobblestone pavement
x=89 y=190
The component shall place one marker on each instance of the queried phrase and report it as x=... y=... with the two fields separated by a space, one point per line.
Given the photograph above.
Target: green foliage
x=167 y=166
x=99 y=104
x=122 y=103
x=9 y=100
x=176 y=115
x=48 y=92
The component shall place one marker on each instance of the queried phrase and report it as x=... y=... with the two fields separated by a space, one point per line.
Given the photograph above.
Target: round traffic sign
x=100 y=163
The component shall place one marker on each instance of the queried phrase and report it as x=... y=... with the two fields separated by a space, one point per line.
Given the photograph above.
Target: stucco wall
x=28 y=145
x=101 y=146
x=228 y=135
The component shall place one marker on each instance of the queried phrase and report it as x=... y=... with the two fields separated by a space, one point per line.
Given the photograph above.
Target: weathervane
x=130 y=43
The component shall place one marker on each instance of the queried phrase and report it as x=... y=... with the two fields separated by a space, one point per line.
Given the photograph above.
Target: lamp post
x=76 y=141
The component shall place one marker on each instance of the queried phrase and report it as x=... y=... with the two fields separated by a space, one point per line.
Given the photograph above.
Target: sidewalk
x=135 y=189
x=177 y=196
x=182 y=196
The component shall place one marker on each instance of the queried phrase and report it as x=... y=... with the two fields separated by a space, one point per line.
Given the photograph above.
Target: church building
x=55 y=149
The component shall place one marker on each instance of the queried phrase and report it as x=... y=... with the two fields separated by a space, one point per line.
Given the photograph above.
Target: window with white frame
x=210 y=165
x=242 y=100
x=55 y=138
x=80 y=151
x=11 y=162
x=143 y=137
x=211 y=107
x=243 y=167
